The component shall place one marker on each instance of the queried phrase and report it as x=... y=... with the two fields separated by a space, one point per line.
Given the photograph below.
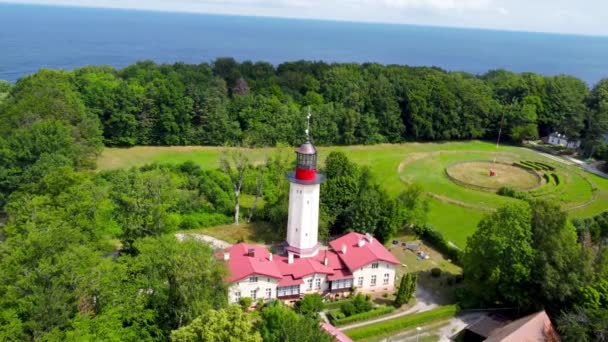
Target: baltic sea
x=34 y=37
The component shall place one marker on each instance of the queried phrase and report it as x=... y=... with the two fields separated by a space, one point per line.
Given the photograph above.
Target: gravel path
x=215 y=243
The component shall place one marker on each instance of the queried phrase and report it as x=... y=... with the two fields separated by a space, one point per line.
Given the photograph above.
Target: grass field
x=455 y=209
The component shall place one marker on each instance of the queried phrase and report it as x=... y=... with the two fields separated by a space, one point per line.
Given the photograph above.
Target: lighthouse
x=304 y=192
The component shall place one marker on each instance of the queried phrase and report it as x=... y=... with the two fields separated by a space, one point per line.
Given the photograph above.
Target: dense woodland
x=88 y=255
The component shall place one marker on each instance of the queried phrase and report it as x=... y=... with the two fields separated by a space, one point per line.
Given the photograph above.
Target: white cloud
x=581 y=16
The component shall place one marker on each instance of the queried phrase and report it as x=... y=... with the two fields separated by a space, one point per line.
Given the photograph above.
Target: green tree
x=558 y=273
x=146 y=203
x=281 y=324
x=499 y=256
x=181 y=279
x=225 y=325
x=407 y=288
x=310 y=305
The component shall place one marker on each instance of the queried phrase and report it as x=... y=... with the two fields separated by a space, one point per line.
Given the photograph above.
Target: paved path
x=595 y=169
x=445 y=331
x=215 y=243
x=424 y=302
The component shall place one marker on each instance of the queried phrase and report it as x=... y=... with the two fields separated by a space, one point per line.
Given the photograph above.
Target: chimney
x=343 y=249
x=361 y=243
x=369 y=237
x=289 y=258
x=325 y=261
x=251 y=252
x=226 y=255
x=270 y=257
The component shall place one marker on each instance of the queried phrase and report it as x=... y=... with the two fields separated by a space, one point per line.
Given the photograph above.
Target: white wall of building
x=303 y=219
x=363 y=277
x=244 y=288
x=319 y=284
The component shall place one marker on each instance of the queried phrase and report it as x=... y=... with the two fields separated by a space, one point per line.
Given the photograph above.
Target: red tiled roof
x=340 y=274
x=301 y=267
x=356 y=256
x=289 y=280
x=339 y=265
x=242 y=265
x=337 y=334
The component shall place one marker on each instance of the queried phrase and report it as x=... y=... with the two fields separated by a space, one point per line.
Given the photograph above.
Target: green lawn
x=455 y=210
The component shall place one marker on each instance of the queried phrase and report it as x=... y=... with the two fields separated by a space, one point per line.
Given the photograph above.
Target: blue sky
x=563 y=16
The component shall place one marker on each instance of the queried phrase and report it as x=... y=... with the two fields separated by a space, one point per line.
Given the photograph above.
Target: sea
x=34 y=37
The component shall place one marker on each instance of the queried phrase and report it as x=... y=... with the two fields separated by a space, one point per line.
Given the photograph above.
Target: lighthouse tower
x=304 y=191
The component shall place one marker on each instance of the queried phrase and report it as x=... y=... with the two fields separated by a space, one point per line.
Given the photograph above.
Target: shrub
x=433 y=237
x=245 y=303
x=359 y=303
x=555 y=178
x=382 y=310
x=201 y=220
x=506 y=191
x=403 y=323
x=436 y=272
x=310 y=305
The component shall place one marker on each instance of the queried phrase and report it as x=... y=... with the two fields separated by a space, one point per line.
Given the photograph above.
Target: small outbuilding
x=558 y=139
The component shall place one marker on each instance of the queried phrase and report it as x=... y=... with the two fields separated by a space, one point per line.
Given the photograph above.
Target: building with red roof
x=352 y=261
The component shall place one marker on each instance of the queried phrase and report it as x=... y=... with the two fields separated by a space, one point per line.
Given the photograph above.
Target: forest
x=88 y=255
x=259 y=104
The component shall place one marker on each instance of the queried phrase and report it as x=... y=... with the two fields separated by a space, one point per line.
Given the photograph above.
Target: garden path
x=425 y=300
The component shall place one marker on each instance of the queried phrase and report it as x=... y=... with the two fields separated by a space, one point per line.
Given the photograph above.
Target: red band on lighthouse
x=306 y=175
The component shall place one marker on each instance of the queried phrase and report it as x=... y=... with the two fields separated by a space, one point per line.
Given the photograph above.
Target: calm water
x=32 y=37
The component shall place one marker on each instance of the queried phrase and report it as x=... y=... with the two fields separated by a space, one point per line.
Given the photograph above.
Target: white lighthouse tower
x=304 y=191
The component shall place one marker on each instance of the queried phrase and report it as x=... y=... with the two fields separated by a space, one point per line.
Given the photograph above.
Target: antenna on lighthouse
x=308 y=124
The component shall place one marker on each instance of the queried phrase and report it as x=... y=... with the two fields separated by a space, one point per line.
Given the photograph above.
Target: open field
x=455 y=209
x=477 y=174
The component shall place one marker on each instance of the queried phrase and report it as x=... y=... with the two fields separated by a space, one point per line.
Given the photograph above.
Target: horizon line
x=335 y=20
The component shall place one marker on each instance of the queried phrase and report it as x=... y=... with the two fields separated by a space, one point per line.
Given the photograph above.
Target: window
x=375 y=265
x=386 y=277
x=309 y=283
x=253 y=294
x=318 y=283
x=360 y=281
x=373 y=280
x=253 y=279
x=288 y=290
x=268 y=293
x=237 y=296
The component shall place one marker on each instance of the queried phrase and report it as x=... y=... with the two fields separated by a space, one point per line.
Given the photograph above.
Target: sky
x=559 y=16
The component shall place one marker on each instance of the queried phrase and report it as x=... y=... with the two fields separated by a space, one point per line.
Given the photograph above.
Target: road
x=215 y=243
x=424 y=302
x=445 y=331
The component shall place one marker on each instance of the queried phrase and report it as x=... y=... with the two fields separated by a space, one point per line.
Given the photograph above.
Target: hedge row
x=383 y=310
x=429 y=234
x=403 y=323
x=555 y=178
x=524 y=166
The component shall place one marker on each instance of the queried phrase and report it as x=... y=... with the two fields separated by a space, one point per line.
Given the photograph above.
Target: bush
x=403 y=323
x=433 y=237
x=506 y=191
x=310 y=305
x=382 y=310
x=358 y=304
x=245 y=303
x=436 y=272
x=555 y=178
x=202 y=220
